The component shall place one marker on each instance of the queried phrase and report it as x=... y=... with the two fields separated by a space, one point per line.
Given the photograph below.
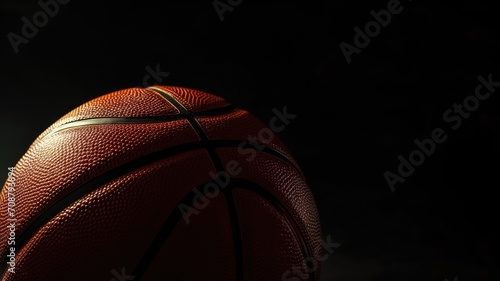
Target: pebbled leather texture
x=96 y=200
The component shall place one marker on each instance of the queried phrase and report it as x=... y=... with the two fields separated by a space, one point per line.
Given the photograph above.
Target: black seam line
x=138 y=120
x=111 y=120
x=112 y=175
x=236 y=232
x=274 y=152
x=214 y=157
x=285 y=213
x=175 y=217
x=184 y=112
x=162 y=235
x=196 y=126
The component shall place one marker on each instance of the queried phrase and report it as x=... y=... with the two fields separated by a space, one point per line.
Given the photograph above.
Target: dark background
x=353 y=119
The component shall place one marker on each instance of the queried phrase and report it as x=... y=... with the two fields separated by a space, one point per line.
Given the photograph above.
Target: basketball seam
x=285 y=213
x=130 y=167
x=235 y=183
x=214 y=157
x=114 y=174
x=136 y=120
x=205 y=143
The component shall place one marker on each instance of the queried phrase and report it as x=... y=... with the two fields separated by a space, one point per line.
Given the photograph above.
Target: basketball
x=159 y=183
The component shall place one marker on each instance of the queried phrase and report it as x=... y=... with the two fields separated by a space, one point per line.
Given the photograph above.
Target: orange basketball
x=162 y=183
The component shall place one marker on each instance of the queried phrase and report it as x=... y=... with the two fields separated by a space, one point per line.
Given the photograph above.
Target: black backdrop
x=353 y=119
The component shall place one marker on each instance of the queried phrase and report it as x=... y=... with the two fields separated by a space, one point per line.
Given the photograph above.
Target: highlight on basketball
x=160 y=183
